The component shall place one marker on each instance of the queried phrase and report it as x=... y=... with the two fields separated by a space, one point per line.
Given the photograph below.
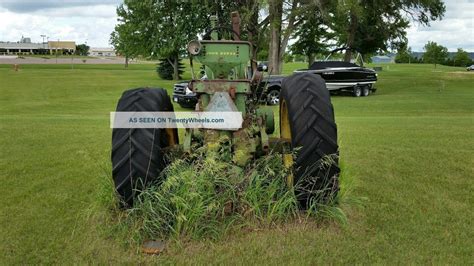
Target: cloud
x=91 y=25
x=97 y=11
x=455 y=30
x=26 y=6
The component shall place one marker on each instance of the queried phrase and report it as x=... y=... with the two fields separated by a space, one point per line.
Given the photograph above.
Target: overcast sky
x=93 y=21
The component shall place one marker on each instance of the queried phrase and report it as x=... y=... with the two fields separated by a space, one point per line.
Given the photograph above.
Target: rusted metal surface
x=211 y=86
x=232 y=93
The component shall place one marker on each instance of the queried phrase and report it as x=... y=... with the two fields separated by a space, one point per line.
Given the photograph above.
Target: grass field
x=408 y=148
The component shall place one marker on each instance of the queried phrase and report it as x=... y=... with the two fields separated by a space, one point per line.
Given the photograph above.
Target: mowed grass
x=408 y=149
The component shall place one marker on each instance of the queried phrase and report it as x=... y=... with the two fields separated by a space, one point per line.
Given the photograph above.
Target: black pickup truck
x=268 y=91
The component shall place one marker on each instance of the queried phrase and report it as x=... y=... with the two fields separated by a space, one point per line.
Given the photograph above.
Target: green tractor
x=306 y=121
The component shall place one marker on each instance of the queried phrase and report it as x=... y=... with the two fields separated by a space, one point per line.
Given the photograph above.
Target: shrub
x=165 y=69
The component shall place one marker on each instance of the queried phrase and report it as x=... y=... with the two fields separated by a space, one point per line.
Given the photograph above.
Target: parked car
x=469 y=68
x=183 y=95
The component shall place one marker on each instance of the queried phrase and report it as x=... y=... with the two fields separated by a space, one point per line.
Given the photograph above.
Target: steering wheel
x=207 y=35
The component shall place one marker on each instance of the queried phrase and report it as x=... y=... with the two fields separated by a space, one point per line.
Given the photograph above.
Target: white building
x=95 y=51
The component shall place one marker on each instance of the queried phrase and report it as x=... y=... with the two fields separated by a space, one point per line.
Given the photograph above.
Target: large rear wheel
x=307 y=120
x=138 y=154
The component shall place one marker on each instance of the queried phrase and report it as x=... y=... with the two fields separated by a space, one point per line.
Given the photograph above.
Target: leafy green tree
x=404 y=54
x=162 y=28
x=462 y=58
x=125 y=41
x=158 y=29
x=374 y=26
x=287 y=58
x=166 y=71
x=82 y=49
x=311 y=36
x=434 y=53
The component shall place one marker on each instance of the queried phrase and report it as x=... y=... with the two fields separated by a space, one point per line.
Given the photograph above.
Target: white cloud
x=25 y=6
x=98 y=11
x=454 y=31
x=77 y=23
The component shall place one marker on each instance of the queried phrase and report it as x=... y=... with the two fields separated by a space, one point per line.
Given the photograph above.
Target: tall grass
x=205 y=197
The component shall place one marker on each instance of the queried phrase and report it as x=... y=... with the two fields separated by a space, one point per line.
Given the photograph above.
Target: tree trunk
x=310 y=59
x=253 y=37
x=174 y=62
x=175 y=67
x=126 y=61
x=275 y=15
x=351 y=36
x=287 y=33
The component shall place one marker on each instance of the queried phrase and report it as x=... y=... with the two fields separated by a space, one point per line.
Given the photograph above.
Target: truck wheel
x=273 y=97
x=365 y=91
x=137 y=153
x=307 y=120
x=356 y=91
x=186 y=106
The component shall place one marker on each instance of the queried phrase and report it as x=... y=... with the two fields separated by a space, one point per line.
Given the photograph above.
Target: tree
x=374 y=26
x=404 y=54
x=158 y=29
x=275 y=9
x=162 y=28
x=125 y=41
x=284 y=17
x=165 y=70
x=434 y=53
x=82 y=49
x=311 y=36
x=462 y=58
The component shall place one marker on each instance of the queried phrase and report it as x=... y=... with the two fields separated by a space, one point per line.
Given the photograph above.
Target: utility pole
x=57 y=46
x=42 y=35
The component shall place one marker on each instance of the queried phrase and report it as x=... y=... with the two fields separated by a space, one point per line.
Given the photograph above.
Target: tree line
x=434 y=54
x=160 y=29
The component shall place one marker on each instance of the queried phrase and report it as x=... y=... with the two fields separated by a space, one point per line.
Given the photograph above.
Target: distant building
x=383 y=59
x=25 y=46
x=94 y=51
x=68 y=47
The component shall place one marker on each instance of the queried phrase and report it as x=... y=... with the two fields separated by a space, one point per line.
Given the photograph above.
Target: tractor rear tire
x=137 y=153
x=310 y=116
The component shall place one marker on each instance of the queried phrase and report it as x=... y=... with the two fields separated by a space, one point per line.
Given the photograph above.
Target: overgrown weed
x=202 y=197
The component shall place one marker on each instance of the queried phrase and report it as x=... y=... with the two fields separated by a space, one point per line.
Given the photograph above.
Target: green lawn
x=408 y=148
